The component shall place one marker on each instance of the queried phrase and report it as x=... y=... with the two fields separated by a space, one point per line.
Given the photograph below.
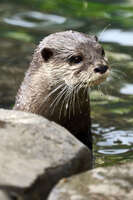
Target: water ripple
x=121 y=37
x=113 y=151
x=127 y=89
x=21 y=19
x=38 y=20
x=116 y=138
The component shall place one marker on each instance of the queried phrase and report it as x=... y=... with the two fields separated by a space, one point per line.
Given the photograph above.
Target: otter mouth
x=97 y=82
x=98 y=78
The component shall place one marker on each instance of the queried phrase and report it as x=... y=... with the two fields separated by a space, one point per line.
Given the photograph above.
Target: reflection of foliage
x=17 y=36
x=110 y=111
x=79 y=8
x=121 y=13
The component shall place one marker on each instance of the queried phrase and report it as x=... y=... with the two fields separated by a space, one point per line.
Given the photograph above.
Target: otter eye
x=75 y=59
x=103 y=52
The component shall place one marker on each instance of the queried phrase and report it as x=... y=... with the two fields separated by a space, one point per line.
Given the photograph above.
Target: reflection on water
x=127 y=89
x=112 y=115
x=118 y=36
x=115 y=137
x=41 y=21
x=25 y=19
x=112 y=151
x=113 y=141
x=116 y=143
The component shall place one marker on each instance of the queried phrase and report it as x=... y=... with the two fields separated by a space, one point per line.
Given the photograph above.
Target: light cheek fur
x=70 y=75
x=62 y=73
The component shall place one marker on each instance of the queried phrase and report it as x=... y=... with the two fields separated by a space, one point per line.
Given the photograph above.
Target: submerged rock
x=107 y=183
x=36 y=153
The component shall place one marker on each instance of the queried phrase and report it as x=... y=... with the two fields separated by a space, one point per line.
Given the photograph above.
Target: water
x=24 y=23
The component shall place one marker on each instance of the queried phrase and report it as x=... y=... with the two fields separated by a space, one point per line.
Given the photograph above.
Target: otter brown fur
x=64 y=66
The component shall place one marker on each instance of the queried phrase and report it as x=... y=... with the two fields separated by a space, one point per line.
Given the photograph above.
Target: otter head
x=64 y=65
x=73 y=58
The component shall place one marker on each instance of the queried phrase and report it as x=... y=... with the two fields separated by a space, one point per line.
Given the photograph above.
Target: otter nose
x=101 y=69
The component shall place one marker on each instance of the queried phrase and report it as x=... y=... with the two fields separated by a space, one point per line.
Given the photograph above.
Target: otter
x=64 y=67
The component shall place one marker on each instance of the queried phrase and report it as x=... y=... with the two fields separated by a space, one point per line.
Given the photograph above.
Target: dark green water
x=24 y=23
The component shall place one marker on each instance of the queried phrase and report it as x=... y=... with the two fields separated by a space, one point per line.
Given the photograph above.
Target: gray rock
x=35 y=153
x=4 y=196
x=107 y=183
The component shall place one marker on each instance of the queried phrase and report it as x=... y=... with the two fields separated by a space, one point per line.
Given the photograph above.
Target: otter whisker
x=64 y=100
x=52 y=92
x=87 y=92
x=89 y=83
x=106 y=27
x=88 y=89
x=121 y=73
x=76 y=93
x=70 y=102
x=40 y=107
x=67 y=98
x=73 y=102
x=57 y=99
x=118 y=63
x=77 y=89
x=114 y=64
x=71 y=97
x=62 y=104
x=116 y=76
x=105 y=89
x=100 y=90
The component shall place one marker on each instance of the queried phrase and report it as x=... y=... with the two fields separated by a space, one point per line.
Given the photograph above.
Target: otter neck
x=66 y=103
x=57 y=103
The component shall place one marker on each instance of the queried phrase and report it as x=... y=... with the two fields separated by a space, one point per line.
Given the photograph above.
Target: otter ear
x=46 y=53
x=95 y=38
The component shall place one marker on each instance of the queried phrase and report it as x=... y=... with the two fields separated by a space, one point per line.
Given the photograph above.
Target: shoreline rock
x=36 y=153
x=105 y=183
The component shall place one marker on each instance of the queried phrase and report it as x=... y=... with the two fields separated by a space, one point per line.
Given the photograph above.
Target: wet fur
x=57 y=89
